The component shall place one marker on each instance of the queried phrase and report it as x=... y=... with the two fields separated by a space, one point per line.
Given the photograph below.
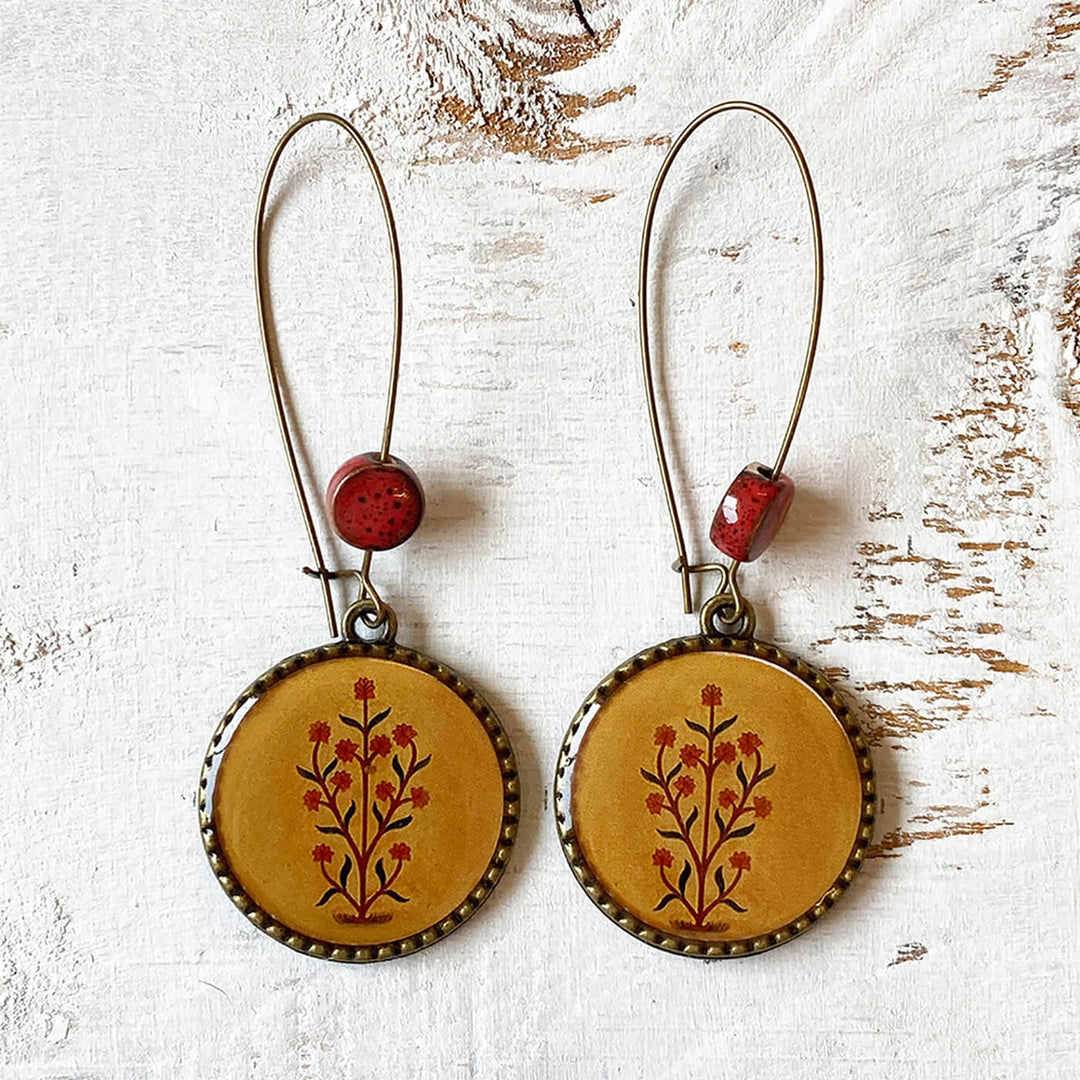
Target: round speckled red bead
x=751 y=513
x=374 y=504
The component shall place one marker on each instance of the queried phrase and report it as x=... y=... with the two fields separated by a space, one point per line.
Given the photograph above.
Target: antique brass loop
x=727 y=613
x=723 y=617
x=370 y=622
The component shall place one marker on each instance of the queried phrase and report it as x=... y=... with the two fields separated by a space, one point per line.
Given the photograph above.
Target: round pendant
x=359 y=801
x=714 y=797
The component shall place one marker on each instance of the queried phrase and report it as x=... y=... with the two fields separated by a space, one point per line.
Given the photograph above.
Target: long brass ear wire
x=265 y=322
x=727 y=595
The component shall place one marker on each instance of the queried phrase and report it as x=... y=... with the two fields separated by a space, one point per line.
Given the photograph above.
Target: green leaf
x=718 y=819
x=377 y=812
x=329 y=768
x=699 y=728
x=380 y=872
x=731 y=904
x=667 y=900
x=378 y=718
x=396 y=896
x=691 y=819
x=684 y=877
x=670 y=834
x=346 y=870
x=326 y=896
x=421 y=764
x=674 y=772
x=766 y=773
x=397 y=769
x=719 y=876
x=400 y=823
x=746 y=830
x=725 y=724
x=349 y=813
x=307 y=774
x=652 y=777
x=330 y=830
x=350 y=722
x=740 y=772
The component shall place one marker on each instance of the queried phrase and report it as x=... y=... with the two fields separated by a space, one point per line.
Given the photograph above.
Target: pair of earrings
x=360 y=800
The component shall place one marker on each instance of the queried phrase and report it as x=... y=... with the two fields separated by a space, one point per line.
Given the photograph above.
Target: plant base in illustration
x=703 y=812
x=369 y=827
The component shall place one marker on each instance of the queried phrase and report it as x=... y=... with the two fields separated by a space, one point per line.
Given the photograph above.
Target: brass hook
x=682 y=563
x=265 y=322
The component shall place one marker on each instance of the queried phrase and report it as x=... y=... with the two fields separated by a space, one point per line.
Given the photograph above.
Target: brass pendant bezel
x=360 y=954
x=664 y=939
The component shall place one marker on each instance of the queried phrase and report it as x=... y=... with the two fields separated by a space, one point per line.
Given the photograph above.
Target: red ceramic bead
x=373 y=503
x=751 y=512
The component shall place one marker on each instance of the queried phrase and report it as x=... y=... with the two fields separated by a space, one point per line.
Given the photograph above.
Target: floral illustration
x=378 y=809
x=700 y=808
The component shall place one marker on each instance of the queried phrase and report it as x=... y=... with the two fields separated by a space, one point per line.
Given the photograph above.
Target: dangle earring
x=713 y=795
x=359 y=800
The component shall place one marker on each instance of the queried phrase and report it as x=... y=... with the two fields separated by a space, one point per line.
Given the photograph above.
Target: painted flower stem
x=344 y=892
x=689 y=799
x=365 y=768
x=331 y=801
x=379 y=808
x=741 y=809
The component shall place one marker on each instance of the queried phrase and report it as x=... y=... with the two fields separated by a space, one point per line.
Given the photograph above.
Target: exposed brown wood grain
x=889 y=846
x=913 y=950
x=1051 y=32
x=1067 y=323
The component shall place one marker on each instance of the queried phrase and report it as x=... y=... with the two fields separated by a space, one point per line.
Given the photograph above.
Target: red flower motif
x=380 y=745
x=319 y=732
x=364 y=689
x=313 y=799
x=655 y=802
x=322 y=853
x=727 y=797
x=665 y=735
x=684 y=785
x=725 y=752
x=748 y=742
x=346 y=749
x=740 y=860
x=404 y=734
x=711 y=695
x=384 y=790
x=662 y=857
x=341 y=780
x=762 y=807
x=401 y=852
x=691 y=755
x=420 y=797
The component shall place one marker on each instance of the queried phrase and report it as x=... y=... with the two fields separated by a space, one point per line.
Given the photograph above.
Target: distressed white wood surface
x=152 y=547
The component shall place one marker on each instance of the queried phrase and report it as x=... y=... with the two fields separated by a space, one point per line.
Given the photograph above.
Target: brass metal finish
x=476 y=896
x=730 y=613
x=587 y=878
x=376 y=614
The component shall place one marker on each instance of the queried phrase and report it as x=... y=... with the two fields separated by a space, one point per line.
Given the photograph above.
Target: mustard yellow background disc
x=359 y=801
x=714 y=797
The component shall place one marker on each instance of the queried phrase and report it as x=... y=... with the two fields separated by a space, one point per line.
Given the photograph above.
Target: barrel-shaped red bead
x=374 y=504
x=751 y=513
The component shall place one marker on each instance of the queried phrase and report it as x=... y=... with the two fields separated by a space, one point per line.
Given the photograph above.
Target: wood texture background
x=151 y=545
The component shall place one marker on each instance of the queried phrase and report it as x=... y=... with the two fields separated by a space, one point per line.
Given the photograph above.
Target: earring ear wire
x=372 y=609
x=727 y=594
